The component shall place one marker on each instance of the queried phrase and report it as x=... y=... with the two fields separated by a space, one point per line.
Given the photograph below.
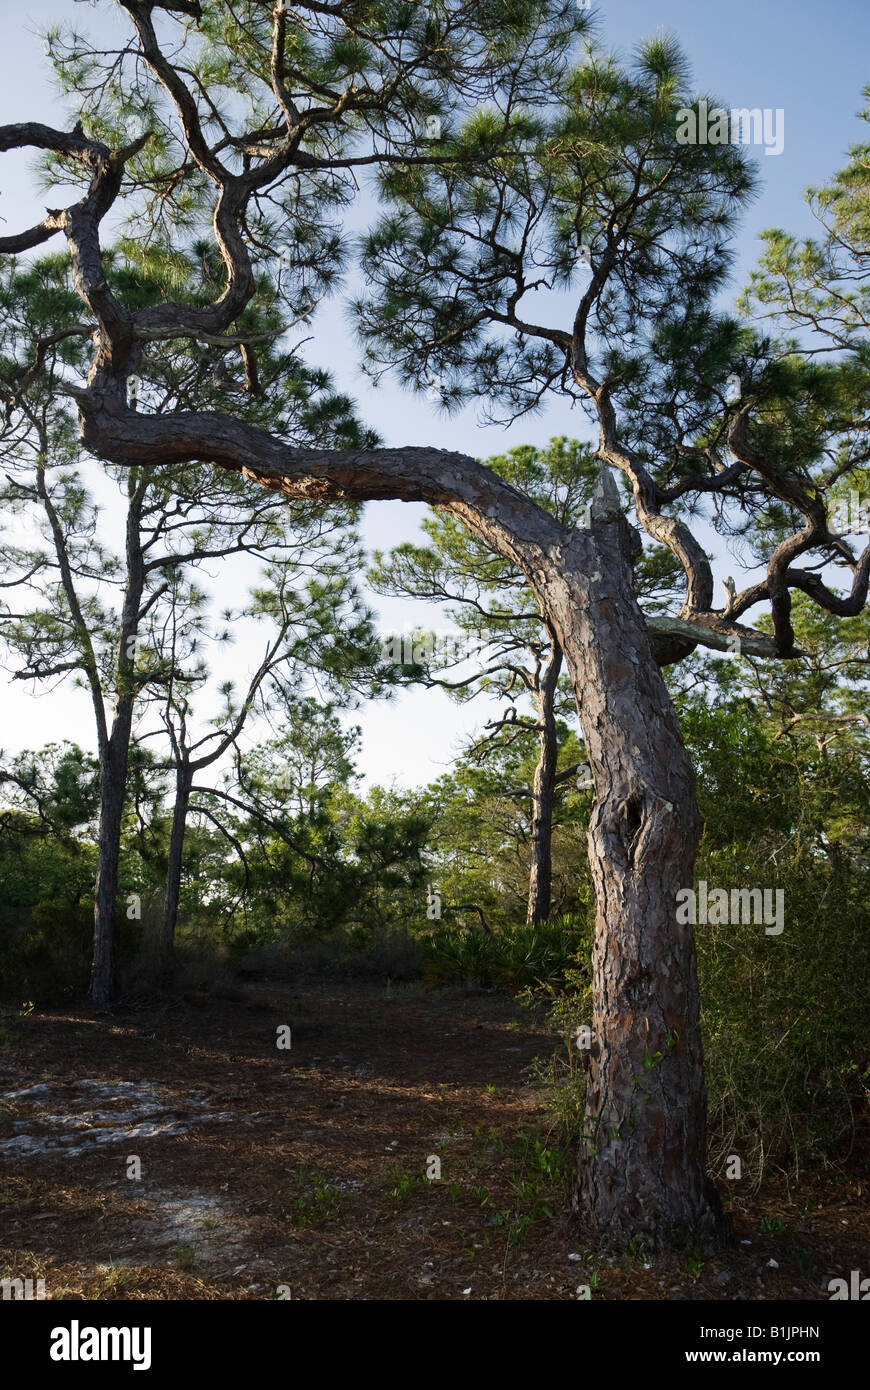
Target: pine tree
x=506 y=164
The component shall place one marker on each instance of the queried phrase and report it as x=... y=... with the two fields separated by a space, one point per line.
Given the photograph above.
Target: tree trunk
x=114 y=756
x=641 y=1173
x=113 y=785
x=541 y=872
x=183 y=781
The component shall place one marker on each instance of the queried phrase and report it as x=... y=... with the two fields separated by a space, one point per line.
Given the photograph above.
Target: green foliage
x=786 y=805
x=540 y=150
x=783 y=757
x=514 y=959
x=479 y=844
x=538 y=1182
x=600 y=167
x=318 y=1204
x=46 y=912
x=400 y=1184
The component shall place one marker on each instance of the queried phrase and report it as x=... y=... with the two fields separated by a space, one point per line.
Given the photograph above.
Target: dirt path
x=302 y=1171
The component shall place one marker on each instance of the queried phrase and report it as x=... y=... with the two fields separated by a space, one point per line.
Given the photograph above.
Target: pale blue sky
x=810 y=60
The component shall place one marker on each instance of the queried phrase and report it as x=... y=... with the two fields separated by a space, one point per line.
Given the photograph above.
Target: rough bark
x=541 y=870
x=641 y=1173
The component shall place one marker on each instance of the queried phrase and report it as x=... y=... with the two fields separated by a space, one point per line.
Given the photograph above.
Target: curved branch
x=668 y=531
x=506 y=519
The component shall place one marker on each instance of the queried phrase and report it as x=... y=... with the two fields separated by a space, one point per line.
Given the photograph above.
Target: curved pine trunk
x=641 y=1171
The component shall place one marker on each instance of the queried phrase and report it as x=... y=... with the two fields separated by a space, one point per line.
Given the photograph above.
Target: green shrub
x=514 y=959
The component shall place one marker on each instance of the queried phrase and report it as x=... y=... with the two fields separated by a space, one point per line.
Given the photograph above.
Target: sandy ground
x=175 y=1151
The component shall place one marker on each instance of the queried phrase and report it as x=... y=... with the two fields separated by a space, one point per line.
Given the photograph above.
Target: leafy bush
x=513 y=959
x=46 y=913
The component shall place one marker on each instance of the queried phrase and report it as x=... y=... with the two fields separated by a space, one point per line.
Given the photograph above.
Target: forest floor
x=306 y=1168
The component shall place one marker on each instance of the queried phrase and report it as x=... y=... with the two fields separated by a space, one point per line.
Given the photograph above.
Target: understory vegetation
x=426 y=888
x=652 y=841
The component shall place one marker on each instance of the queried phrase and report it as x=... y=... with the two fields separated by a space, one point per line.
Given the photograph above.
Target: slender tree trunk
x=113 y=786
x=642 y=1166
x=541 y=873
x=114 y=756
x=183 y=781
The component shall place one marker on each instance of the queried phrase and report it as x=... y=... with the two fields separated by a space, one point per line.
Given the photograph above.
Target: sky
x=808 y=60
